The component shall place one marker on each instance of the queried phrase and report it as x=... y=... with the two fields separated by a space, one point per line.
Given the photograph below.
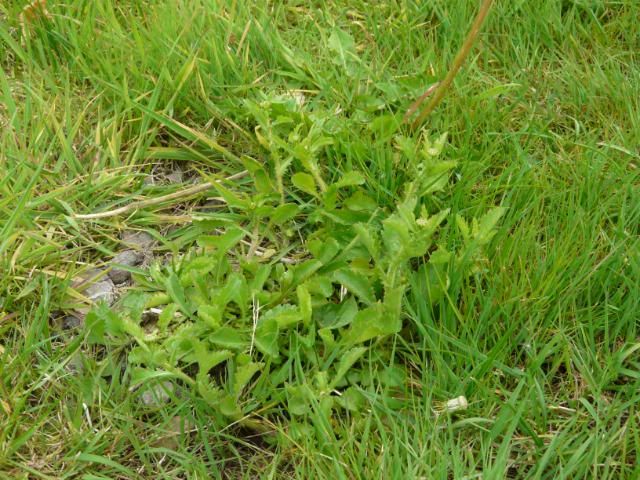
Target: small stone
x=175 y=176
x=97 y=286
x=75 y=365
x=71 y=322
x=102 y=291
x=149 y=180
x=158 y=394
x=129 y=258
x=137 y=240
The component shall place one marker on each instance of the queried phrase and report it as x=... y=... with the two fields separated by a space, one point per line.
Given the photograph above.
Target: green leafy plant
x=258 y=333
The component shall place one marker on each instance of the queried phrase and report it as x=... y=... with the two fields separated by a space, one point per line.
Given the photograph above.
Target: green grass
x=542 y=339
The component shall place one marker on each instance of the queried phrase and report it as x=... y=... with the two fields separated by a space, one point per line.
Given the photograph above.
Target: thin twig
x=457 y=63
x=415 y=105
x=187 y=192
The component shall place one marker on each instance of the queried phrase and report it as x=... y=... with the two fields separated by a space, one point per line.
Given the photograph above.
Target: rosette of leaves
x=256 y=337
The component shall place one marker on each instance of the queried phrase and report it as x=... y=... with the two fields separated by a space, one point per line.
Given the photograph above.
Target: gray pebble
x=175 y=177
x=71 y=322
x=158 y=394
x=75 y=365
x=129 y=258
x=149 y=180
x=137 y=240
x=97 y=286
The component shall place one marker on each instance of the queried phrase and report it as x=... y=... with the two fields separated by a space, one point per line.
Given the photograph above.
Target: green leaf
x=232 y=199
x=320 y=285
x=211 y=315
x=305 y=182
x=351 y=399
x=167 y=315
x=260 y=177
x=357 y=284
x=360 y=202
x=177 y=294
x=261 y=275
x=369 y=239
x=343 y=46
x=327 y=338
x=324 y=250
x=229 y=407
x=463 y=226
x=266 y=337
x=350 y=179
x=385 y=126
x=488 y=222
x=208 y=359
x=332 y=316
x=298 y=398
x=304 y=270
x=284 y=315
x=284 y=213
x=228 y=337
x=304 y=302
x=370 y=323
x=225 y=242
x=346 y=362
x=243 y=376
x=393 y=307
x=395 y=235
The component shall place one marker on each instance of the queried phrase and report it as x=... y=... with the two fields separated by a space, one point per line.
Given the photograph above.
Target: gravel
x=138 y=240
x=128 y=258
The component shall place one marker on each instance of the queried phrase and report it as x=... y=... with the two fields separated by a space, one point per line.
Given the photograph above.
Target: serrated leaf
x=298 y=398
x=393 y=306
x=208 y=359
x=177 y=294
x=370 y=323
x=211 y=315
x=284 y=213
x=385 y=126
x=229 y=407
x=463 y=227
x=304 y=303
x=342 y=45
x=225 y=242
x=260 y=177
x=232 y=199
x=260 y=276
x=324 y=250
x=360 y=202
x=228 y=337
x=489 y=220
x=304 y=270
x=284 y=315
x=395 y=235
x=305 y=182
x=320 y=285
x=327 y=338
x=351 y=399
x=266 y=337
x=369 y=239
x=167 y=315
x=243 y=376
x=357 y=284
x=350 y=179
x=346 y=362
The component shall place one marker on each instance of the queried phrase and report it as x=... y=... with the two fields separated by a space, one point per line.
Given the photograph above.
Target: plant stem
x=457 y=63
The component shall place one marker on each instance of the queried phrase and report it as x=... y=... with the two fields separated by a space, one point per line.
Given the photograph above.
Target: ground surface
x=106 y=103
